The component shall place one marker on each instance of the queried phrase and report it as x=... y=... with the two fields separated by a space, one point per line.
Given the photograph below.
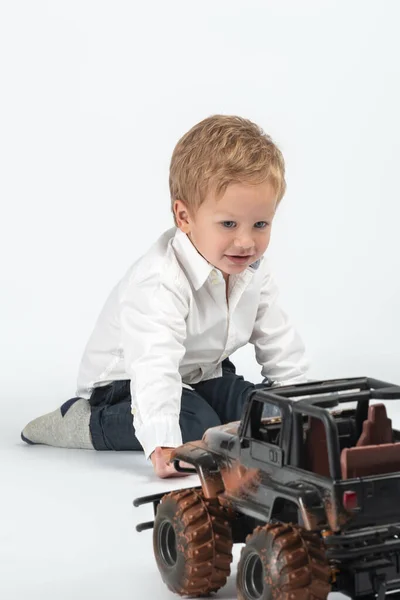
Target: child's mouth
x=238 y=260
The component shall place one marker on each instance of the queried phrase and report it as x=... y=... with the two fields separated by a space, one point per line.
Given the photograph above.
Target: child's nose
x=244 y=242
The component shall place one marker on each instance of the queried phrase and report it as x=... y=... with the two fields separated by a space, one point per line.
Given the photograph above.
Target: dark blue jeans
x=210 y=403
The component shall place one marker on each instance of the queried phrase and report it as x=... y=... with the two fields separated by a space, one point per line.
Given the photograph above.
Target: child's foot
x=66 y=427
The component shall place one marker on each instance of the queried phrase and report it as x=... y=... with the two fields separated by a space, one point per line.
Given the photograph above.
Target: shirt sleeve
x=153 y=323
x=278 y=347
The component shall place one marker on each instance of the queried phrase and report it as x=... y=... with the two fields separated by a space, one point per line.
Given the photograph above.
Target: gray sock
x=66 y=427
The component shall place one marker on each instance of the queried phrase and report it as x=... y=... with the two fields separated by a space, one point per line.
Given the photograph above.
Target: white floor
x=68 y=524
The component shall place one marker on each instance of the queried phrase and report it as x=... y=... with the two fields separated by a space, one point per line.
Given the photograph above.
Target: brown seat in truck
x=316 y=447
x=377 y=429
x=361 y=461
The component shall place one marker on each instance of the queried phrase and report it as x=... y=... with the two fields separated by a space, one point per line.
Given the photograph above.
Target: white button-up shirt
x=168 y=323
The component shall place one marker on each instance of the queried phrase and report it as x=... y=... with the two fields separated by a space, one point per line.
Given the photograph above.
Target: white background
x=94 y=95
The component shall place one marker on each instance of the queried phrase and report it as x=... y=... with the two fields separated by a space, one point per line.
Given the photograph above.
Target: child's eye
x=228 y=224
x=261 y=224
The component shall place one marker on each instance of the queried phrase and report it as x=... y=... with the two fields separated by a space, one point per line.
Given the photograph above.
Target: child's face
x=231 y=232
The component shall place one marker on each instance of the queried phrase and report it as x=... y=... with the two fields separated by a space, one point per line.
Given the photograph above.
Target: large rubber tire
x=284 y=562
x=192 y=542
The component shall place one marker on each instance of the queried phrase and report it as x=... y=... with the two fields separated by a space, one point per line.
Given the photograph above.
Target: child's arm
x=279 y=348
x=153 y=323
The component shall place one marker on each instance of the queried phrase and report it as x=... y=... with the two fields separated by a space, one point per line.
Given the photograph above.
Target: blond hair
x=220 y=150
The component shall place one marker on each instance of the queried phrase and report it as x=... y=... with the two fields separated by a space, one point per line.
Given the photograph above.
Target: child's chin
x=234 y=269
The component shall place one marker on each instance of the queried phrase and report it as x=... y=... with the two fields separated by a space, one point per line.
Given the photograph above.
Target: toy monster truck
x=314 y=493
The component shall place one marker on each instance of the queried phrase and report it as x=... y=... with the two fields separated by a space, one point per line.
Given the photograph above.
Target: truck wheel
x=192 y=543
x=284 y=562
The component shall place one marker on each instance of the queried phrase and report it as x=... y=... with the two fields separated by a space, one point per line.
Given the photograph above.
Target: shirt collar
x=196 y=267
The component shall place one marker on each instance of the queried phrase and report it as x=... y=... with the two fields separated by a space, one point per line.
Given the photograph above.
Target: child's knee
x=211 y=419
x=195 y=424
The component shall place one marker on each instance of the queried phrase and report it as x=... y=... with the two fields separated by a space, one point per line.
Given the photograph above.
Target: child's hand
x=161 y=458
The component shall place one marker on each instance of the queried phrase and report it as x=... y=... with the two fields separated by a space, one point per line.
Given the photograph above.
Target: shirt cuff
x=291 y=381
x=156 y=432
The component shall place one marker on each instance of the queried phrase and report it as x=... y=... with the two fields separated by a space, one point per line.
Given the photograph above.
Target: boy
x=159 y=350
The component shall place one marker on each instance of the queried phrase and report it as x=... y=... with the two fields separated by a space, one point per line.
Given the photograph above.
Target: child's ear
x=182 y=216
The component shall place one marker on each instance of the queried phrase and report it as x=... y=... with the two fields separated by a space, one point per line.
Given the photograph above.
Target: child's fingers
x=164 y=470
x=162 y=466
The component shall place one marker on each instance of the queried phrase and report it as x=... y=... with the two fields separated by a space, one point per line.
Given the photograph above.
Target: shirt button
x=214 y=277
